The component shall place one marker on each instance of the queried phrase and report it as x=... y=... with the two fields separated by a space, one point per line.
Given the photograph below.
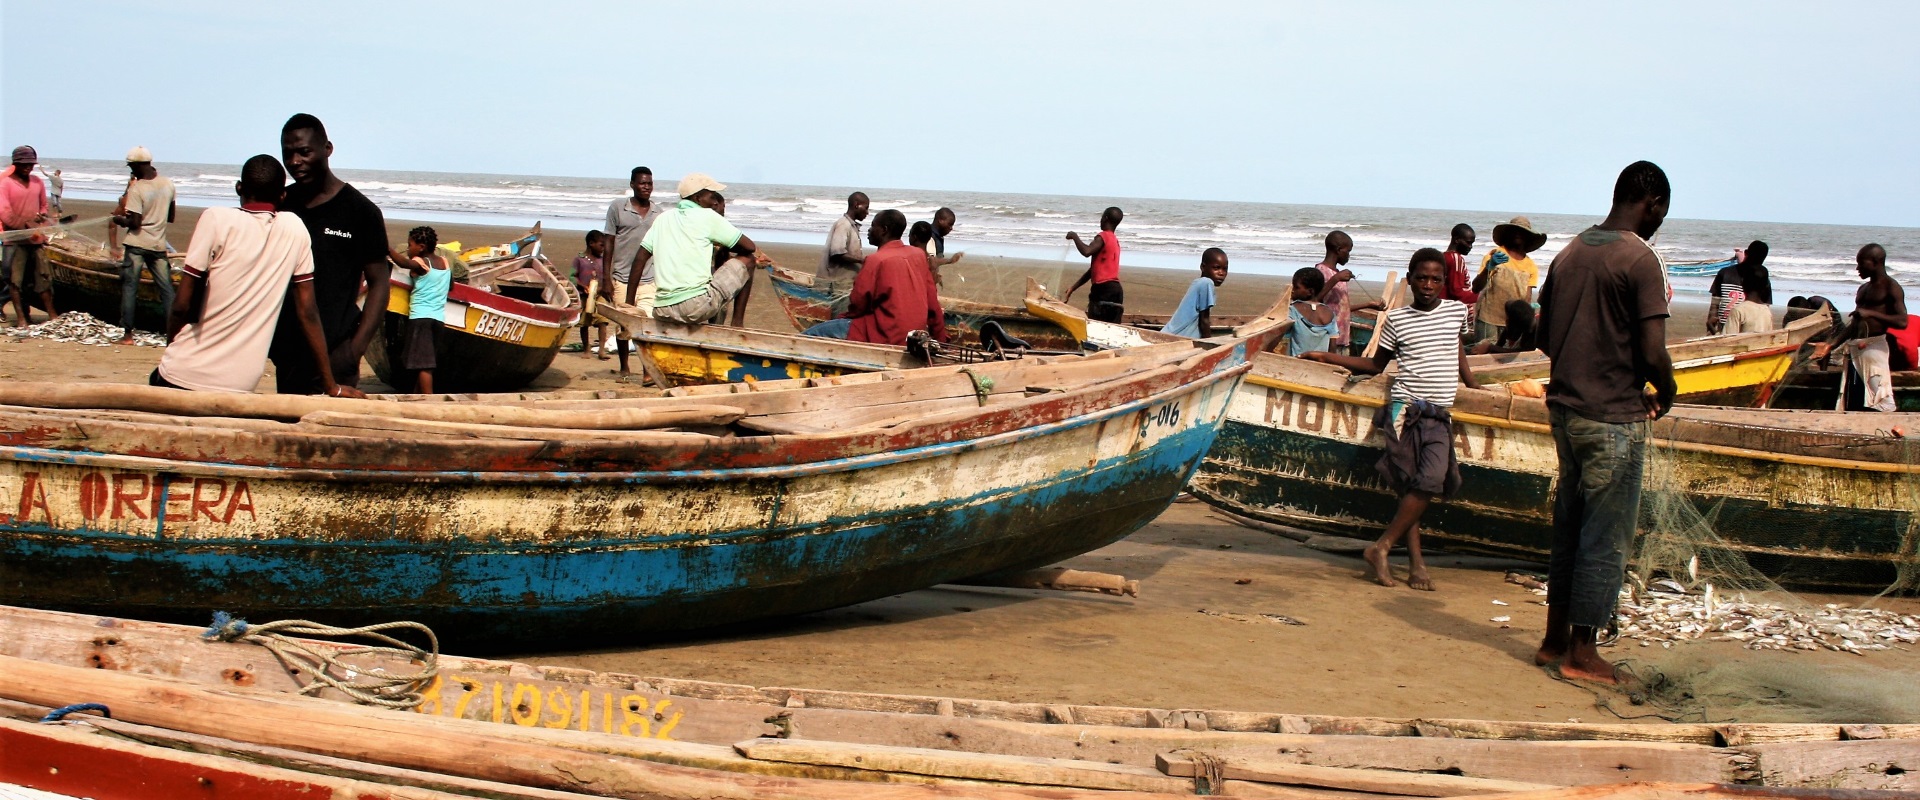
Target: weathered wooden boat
x=1093 y=334
x=497 y=336
x=787 y=497
x=1741 y=369
x=475 y=727
x=1813 y=499
x=708 y=354
x=1809 y=386
x=85 y=279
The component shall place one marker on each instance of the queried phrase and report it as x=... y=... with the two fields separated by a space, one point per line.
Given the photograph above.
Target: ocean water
x=1270 y=238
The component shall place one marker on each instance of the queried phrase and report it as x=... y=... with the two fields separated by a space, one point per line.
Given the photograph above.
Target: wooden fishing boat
x=474 y=727
x=1093 y=334
x=1818 y=387
x=496 y=337
x=484 y=520
x=1740 y=369
x=807 y=306
x=85 y=279
x=706 y=354
x=1814 y=499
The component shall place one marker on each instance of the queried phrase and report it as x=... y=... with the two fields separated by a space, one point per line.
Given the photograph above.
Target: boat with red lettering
x=508 y=520
x=1808 y=498
x=505 y=320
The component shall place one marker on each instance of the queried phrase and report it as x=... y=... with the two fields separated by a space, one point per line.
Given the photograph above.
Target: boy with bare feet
x=1603 y=321
x=1416 y=423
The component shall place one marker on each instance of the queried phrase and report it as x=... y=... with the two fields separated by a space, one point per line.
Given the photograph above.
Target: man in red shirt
x=893 y=294
x=1459 y=274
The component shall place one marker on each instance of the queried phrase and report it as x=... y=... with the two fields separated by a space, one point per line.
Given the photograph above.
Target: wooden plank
x=1889 y=764
x=539 y=757
x=1413 y=784
x=1233 y=788
x=1024 y=770
x=1567 y=731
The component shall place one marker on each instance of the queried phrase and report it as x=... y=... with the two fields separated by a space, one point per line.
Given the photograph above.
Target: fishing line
x=22 y=235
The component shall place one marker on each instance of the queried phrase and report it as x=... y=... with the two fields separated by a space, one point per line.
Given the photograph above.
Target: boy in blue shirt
x=427 y=303
x=1193 y=319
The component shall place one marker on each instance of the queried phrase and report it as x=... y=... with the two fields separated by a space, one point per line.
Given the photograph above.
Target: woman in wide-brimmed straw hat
x=1507 y=273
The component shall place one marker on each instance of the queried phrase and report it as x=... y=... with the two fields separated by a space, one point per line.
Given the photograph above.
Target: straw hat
x=1520 y=226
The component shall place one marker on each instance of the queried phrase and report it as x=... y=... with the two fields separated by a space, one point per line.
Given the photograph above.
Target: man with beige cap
x=679 y=251
x=1507 y=273
x=150 y=206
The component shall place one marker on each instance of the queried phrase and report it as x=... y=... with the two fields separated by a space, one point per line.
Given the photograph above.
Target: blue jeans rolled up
x=1596 y=510
x=154 y=263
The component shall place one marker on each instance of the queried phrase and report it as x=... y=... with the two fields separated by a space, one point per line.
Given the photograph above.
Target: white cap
x=695 y=182
x=139 y=155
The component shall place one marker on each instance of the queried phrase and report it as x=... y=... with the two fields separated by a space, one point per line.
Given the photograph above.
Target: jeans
x=1596 y=509
x=831 y=329
x=155 y=263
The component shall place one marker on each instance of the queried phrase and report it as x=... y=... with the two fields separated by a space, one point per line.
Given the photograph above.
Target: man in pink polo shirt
x=23 y=205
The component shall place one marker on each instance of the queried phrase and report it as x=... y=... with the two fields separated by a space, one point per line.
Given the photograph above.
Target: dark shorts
x=1106 y=302
x=423 y=344
x=156 y=379
x=1419 y=453
x=293 y=369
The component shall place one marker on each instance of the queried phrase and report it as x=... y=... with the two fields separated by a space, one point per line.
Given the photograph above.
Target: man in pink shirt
x=23 y=205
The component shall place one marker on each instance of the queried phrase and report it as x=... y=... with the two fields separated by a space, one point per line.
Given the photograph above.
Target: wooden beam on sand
x=1380 y=781
x=1884 y=764
x=601 y=764
x=1026 y=770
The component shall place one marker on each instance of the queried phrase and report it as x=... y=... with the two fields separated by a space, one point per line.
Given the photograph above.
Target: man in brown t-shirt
x=1603 y=321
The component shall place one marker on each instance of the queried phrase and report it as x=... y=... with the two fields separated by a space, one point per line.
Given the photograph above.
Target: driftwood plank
x=1414 y=784
x=1889 y=764
x=974 y=766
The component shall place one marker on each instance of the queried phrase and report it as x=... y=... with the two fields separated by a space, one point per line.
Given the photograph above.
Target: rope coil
x=375 y=687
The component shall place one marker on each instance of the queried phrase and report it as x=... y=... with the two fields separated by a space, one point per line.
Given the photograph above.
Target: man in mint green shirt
x=679 y=247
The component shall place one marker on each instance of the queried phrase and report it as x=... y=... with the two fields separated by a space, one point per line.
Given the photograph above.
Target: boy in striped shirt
x=1416 y=423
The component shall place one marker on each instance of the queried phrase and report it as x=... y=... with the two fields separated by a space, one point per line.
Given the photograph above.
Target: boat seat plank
x=1415 y=784
x=1027 y=770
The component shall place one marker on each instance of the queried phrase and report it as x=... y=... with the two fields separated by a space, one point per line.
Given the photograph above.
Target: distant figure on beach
x=1742 y=295
x=417 y=350
x=1105 y=301
x=628 y=220
x=1507 y=273
x=1459 y=276
x=23 y=264
x=349 y=237
x=943 y=222
x=1193 y=318
x=57 y=186
x=894 y=294
x=920 y=237
x=1878 y=308
x=1417 y=421
x=1516 y=336
x=244 y=267
x=841 y=262
x=1314 y=323
x=588 y=278
x=1603 y=321
x=149 y=209
x=679 y=250
x=1337 y=280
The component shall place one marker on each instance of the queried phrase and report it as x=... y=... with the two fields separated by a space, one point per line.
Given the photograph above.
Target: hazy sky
x=1802 y=112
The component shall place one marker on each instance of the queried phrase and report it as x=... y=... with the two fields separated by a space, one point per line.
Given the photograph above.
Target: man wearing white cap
x=679 y=248
x=150 y=206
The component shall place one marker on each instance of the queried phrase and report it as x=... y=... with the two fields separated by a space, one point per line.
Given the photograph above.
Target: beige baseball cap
x=695 y=182
x=139 y=155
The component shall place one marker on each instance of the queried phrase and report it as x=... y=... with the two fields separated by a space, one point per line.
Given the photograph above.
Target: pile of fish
x=75 y=326
x=1666 y=613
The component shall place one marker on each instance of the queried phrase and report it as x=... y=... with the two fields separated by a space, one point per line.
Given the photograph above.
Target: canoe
x=807 y=495
x=492 y=341
x=85 y=279
x=489 y=728
x=1740 y=369
x=1815 y=387
x=1813 y=499
x=1093 y=334
x=807 y=306
x=707 y=354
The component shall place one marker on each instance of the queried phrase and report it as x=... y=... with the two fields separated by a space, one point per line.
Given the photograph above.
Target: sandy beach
x=1195 y=638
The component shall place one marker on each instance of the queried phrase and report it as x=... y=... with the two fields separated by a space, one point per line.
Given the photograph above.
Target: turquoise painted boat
x=1814 y=499
x=822 y=493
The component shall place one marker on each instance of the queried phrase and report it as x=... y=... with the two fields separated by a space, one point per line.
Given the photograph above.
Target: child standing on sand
x=426 y=304
x=1416 y=422
x=1314 y=325
x=587 y=268
x=1194 y=318
x=1105 y=301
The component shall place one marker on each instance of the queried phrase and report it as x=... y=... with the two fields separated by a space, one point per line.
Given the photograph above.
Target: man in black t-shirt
x=349 y=246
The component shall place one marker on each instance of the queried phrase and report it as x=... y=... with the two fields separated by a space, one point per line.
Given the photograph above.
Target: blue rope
x=60 y=713
x=225 y=628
